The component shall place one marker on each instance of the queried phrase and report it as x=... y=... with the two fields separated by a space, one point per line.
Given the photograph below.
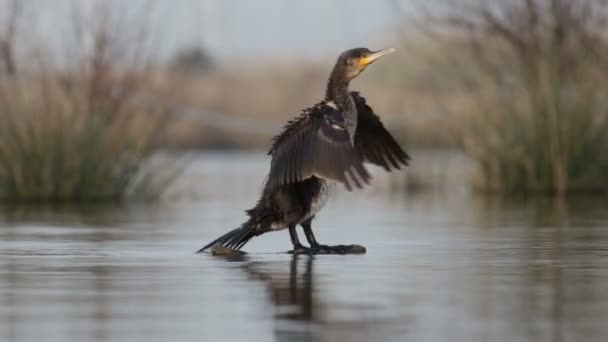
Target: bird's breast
x=319 y=200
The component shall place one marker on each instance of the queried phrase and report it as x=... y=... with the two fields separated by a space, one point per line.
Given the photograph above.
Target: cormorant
x=325 y=144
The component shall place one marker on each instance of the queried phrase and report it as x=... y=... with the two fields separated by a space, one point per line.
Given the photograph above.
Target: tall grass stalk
x=85 y=134
x=538 y=93
x=60 y=143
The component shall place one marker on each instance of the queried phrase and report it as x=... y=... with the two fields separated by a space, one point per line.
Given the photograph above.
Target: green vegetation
x=86 y=134
x=538 y=117
x=60 y=143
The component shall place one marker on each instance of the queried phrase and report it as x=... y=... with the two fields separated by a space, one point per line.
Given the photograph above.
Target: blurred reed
x=536 y=82
x=84 y=134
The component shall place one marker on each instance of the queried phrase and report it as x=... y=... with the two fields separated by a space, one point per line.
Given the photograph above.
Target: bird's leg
x=324 y=249
x=310 y=237
x=295 y=241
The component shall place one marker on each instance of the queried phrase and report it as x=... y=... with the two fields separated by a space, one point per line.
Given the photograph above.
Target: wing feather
x=316 y=144
x=374 y=143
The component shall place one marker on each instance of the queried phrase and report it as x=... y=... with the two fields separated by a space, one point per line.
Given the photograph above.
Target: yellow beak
x=369 y=59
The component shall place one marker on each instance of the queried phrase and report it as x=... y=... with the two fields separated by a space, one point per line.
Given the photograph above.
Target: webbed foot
x=301 y=250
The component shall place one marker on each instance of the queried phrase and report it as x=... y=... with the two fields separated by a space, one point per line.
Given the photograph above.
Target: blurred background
x=514 y=87
x=133 y=132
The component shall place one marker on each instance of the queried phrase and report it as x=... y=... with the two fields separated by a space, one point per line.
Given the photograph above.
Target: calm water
x=440 y=266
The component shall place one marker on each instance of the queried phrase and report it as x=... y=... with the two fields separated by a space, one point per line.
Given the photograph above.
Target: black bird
x=325 y=144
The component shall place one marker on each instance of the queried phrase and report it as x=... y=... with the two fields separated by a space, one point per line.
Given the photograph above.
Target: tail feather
x=261 y=219
x=235 y=238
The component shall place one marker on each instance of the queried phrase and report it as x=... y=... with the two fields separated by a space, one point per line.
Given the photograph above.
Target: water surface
x=440 y=266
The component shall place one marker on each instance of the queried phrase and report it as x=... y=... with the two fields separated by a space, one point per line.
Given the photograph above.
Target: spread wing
x=375 y=144
x=316 y=144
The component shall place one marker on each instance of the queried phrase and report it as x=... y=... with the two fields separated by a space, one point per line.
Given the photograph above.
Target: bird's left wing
x=375 y=144
x=316 y=144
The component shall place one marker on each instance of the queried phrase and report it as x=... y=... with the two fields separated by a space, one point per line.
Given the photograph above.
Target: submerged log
x=340 y=250
x=335 y=250
x=225 y=251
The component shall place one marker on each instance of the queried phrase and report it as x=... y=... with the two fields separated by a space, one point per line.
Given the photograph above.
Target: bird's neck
x=337 y=91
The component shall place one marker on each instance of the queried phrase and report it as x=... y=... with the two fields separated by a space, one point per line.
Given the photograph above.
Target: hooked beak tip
x=375 y=55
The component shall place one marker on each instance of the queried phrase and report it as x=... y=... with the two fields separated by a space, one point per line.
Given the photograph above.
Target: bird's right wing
x=374 y=142
x=316 y=144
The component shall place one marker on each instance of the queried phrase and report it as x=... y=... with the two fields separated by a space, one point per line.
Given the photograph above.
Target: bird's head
x=352 y=62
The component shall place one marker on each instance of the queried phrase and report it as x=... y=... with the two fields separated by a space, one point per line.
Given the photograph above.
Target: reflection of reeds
x=79 y=135
x=539 y=112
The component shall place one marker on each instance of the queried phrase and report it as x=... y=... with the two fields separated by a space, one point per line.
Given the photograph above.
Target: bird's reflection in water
x=304 y=312
x=292 y=294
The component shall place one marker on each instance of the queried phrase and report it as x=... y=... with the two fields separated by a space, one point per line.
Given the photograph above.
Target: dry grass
x=86 y=134
x=397 y=88
x=61 y=139
x=538 y=113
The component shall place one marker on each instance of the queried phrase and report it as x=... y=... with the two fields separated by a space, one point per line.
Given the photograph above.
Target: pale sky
x=233 y=29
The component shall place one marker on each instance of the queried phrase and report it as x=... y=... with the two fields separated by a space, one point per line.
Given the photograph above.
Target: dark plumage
x=316 y=144
x=326 y=143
